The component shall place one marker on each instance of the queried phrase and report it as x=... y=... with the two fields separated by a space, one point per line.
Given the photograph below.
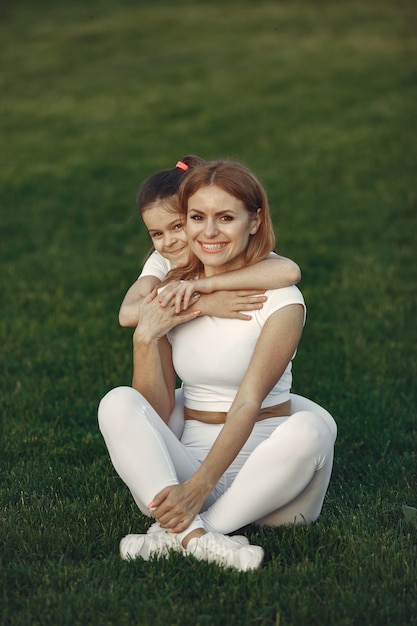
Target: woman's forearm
x=153 y=372
x=149 y=377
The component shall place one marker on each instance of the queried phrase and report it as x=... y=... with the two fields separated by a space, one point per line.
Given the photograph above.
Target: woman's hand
x=176 y=506
x=155 y=320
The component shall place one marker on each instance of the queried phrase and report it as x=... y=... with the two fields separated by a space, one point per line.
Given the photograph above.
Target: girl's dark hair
x=165 y=184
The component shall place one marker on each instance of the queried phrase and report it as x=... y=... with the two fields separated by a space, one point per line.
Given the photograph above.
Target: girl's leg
x=287 y=475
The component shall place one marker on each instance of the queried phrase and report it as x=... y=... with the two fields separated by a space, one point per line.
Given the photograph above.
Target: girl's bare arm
x=271 y=273
x=129 y=309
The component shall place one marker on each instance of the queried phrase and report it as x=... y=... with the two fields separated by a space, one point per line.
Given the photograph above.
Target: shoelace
x=221 y=549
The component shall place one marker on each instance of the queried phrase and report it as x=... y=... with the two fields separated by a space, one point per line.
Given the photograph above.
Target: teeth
x=213 y=246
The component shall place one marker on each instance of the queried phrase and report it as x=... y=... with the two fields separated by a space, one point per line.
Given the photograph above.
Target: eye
x=178 y=226
x=195 y=217
x=226 y=218
x=155 y=235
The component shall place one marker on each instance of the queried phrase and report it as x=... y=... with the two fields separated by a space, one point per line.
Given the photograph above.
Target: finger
x=181 y=318
x=163 y=516
x=250 y=306
x=179 y=297
x=253 y=299
x=164 y=300
x=184 y=296
x=170 y=521
x=188 y=293
x=164 y=501
x=163 y=520
x=183 y=525
x=159 y=498
x=151 y=296
x=242 y=316
x=166 y=296
x=171 y=517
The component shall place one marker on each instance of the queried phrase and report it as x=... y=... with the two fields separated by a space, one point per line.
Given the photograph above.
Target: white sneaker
x=156 y=542
x=226 y=551
x=240 y=539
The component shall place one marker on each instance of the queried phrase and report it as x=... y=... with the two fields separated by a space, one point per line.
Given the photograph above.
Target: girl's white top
x=157 y=265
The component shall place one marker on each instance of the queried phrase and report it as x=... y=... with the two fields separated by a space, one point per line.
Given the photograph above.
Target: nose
x=210 y=228
x=170 y=238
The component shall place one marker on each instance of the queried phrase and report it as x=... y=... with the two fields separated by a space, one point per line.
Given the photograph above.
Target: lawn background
x=319 y=98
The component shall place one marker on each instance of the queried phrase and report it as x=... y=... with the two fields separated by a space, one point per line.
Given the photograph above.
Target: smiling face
x=165 y=228
x=218 y=229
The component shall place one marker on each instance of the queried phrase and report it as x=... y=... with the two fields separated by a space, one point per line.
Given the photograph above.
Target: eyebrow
x=220 y=212
x=157 y=230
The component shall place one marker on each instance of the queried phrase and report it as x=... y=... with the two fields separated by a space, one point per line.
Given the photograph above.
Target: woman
x=243 y=457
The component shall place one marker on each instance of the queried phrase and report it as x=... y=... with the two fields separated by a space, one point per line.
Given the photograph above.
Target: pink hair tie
x=182 y=166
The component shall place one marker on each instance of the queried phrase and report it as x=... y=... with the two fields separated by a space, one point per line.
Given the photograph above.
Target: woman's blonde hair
x=238 y=181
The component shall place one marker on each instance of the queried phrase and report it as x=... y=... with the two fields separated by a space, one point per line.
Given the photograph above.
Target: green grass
x=319 y=98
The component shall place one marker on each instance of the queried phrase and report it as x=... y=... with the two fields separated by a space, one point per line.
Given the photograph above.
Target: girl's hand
x=230 y=304
x=176 y=506
x=184 y=292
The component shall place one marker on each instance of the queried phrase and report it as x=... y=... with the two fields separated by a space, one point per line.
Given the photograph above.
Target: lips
x=178 y=251
x=212 y=247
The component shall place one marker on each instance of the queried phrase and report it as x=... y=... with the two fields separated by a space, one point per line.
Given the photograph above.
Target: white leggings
x=280 y=476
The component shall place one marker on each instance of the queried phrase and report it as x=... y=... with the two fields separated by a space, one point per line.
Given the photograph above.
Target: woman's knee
x=300 y=404
x=116 y=406
x=313 y=433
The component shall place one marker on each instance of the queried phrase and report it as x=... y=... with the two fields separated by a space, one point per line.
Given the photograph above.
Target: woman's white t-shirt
x=212 y=354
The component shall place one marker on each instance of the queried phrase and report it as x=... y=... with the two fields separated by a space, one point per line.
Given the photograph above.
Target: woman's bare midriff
x=218 y=417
